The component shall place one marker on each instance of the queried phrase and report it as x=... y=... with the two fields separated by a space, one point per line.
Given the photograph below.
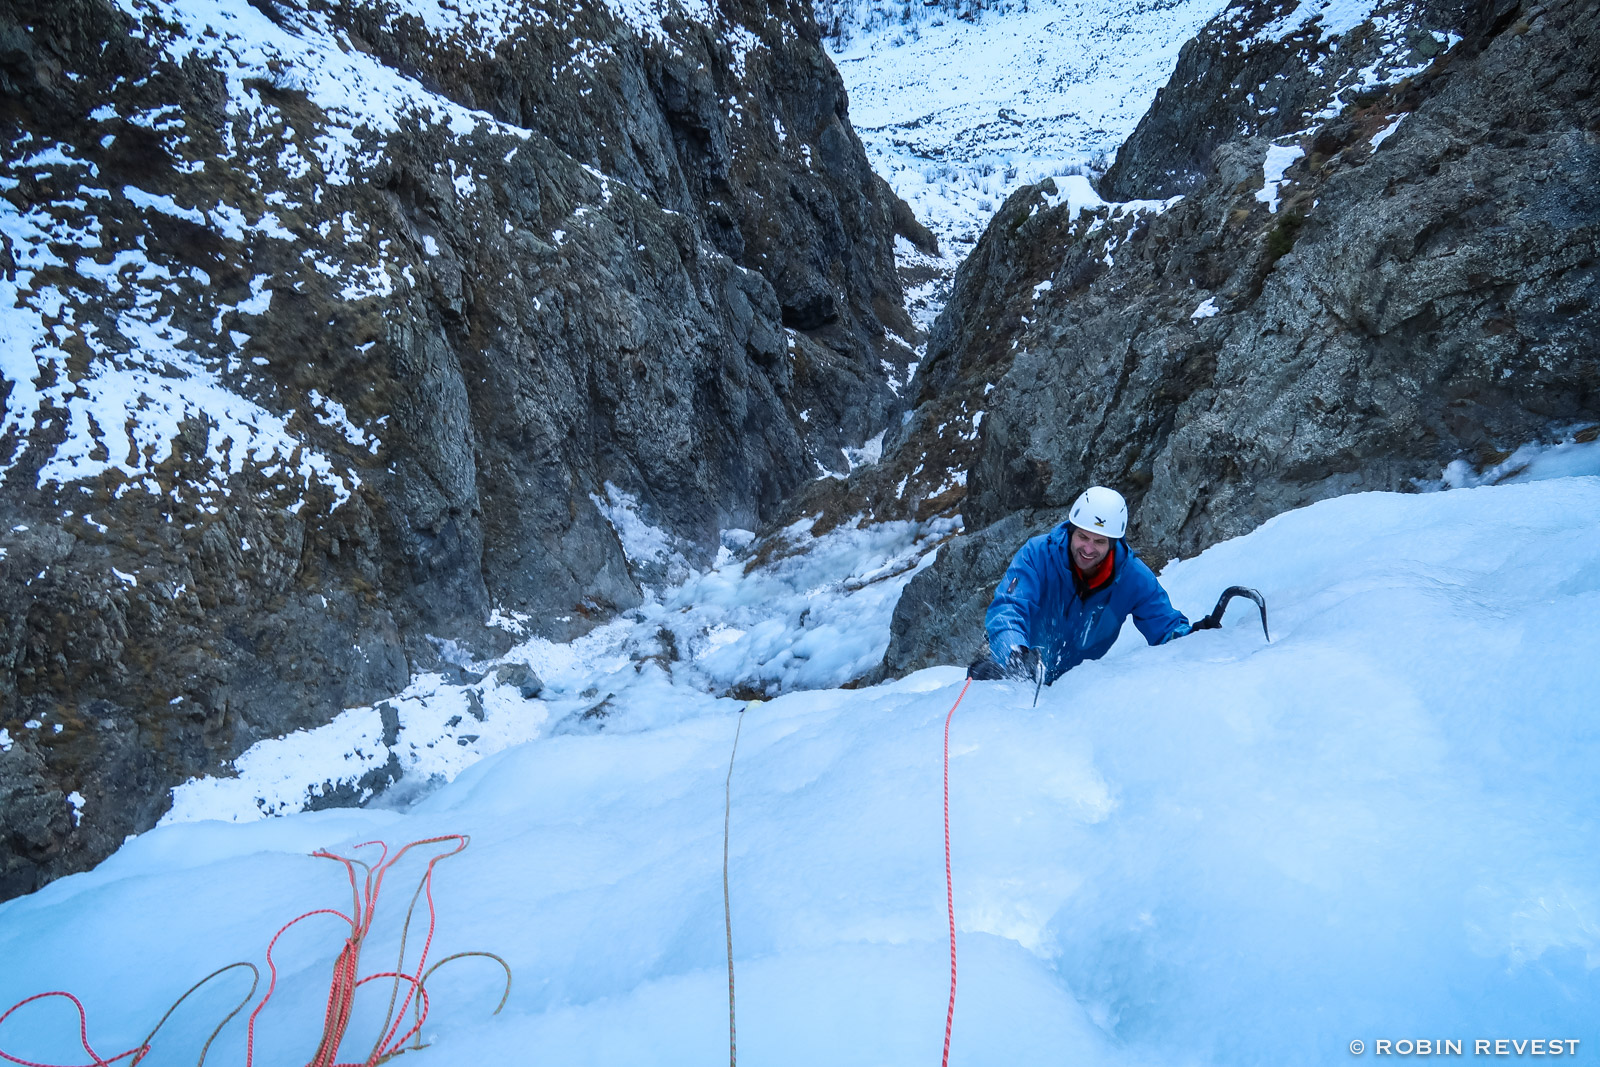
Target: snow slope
x=1221 y=851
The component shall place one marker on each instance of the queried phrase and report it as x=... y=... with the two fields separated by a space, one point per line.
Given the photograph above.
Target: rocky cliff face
x=1402 y=279
x=330 y=327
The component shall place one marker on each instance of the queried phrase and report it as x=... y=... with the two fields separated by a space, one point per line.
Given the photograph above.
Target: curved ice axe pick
x=1214 y=620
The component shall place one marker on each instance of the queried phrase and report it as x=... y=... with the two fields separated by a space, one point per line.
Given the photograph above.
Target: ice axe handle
x=1214 y=620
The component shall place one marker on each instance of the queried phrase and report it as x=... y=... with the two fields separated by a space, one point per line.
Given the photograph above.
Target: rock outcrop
x=1275 y=69
x=331 y=328
x=1352 y=306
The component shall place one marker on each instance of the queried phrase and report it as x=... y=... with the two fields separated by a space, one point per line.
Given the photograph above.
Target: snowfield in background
x=1220 y=851
x=959 y=113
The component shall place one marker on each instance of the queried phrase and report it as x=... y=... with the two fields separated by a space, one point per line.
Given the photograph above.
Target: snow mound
x=1220 y=851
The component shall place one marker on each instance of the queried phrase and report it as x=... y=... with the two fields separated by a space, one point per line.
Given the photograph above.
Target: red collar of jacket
x=1099 y=577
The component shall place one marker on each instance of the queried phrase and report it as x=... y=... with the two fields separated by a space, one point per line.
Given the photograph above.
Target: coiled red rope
x=343 y=986
x=949 y=881
x=346 y=969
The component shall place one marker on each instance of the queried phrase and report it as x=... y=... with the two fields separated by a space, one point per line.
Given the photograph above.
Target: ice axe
x=1038 y=674
x=1214 y=620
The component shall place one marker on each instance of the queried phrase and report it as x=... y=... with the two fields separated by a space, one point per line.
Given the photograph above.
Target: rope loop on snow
x=83 y=1034
x=141 y=1050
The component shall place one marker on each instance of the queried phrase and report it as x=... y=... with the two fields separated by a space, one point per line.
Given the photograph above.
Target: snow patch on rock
x=1279 y=159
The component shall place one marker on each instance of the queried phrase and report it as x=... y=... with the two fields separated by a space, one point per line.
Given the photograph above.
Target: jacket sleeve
x=1009 y=619
x=1154 y=614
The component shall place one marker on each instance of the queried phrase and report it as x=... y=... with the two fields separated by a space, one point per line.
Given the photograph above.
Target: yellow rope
x=727 y=909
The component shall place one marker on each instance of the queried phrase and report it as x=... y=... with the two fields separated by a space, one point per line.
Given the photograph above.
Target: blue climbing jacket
x=1037 y=605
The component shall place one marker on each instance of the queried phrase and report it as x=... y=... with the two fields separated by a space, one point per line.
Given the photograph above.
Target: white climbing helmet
x=1100 y=511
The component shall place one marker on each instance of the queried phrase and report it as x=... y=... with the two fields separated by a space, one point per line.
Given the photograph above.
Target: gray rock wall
x=302 y=381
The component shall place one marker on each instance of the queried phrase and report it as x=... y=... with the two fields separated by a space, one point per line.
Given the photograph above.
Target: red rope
x=949 y=881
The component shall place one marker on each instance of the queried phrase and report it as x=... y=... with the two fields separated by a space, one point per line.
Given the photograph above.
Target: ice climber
x=1067 y=592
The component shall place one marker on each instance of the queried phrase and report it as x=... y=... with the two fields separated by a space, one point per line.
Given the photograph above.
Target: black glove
x=1207 y=623
x=985 y=669
x=1023 y=664
x=1020 y=666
